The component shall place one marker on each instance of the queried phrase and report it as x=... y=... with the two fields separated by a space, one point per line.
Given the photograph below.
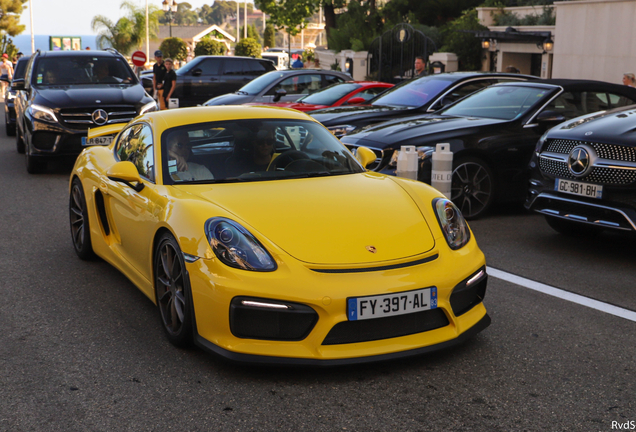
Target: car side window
x=465 y=90
x=209 y=67
x=332 y=79
x=369 y=93
x=568 y=104
x=255 y=68
x=615 y=101
x=288 y=84
x=235 y=67
x=136 y=146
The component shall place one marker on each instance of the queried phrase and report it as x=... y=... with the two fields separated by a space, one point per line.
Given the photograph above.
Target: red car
x=346 y=93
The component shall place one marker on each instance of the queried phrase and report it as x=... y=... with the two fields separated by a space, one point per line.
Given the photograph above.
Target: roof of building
x=195 y=32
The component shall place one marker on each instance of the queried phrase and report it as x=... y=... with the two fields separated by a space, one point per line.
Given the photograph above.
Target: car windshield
x=499 y=102
x=73 y=70
x=259 y=84
x=330 y=95
x=414 y=93
x=252 y=150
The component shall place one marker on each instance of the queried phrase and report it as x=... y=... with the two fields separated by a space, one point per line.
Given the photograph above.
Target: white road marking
x=565 y=295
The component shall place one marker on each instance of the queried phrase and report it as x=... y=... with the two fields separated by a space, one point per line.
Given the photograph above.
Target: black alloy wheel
x=172 y=292
x=472 y=187
x=78 y=215
x=19 y=142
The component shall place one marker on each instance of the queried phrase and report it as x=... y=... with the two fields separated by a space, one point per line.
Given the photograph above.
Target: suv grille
x=81 y=118
x=602 y=175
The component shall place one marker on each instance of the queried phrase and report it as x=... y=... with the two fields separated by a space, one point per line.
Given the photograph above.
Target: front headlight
x=452 y=223
x=42 y=113
x=149 y=107
x=237 y=247
x=341 y=130
x=423 y=153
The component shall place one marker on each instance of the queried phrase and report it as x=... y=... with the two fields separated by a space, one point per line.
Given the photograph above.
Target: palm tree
x=129 y=31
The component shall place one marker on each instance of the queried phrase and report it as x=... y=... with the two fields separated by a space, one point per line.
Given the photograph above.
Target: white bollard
x=407 y=163
x=442 y=169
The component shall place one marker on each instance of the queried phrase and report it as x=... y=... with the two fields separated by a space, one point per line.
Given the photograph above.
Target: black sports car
x=492 y=134
x=583 y=173
x=413 y=97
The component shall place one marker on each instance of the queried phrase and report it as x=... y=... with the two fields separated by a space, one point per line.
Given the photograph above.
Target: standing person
x=629 y=79
x=158 y=74
x=169 y=82
x=6 y=68
x=420 y=67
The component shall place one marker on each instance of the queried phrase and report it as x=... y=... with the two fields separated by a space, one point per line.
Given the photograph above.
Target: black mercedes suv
x=65 y=93
x=584 y=174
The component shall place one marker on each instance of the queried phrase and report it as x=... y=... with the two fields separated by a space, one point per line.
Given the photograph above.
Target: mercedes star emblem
x=100 y=117
x=580 y=160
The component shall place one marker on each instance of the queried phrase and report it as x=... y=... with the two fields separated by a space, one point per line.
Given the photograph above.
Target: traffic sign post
x=139 y=58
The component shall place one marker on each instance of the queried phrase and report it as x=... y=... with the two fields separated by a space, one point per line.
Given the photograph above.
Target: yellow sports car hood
x=349 y=219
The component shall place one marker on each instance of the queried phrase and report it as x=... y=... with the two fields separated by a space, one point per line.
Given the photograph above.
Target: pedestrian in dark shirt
x=158 y=74
x=169 y=82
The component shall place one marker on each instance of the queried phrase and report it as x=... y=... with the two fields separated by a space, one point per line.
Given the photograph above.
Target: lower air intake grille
x=386 y=328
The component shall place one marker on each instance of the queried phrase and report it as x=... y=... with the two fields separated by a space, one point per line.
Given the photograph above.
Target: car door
x=203 y=82
x=236 y=73
x=134 y=213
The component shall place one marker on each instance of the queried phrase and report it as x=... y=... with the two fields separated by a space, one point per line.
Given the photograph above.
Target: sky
x=73 y=17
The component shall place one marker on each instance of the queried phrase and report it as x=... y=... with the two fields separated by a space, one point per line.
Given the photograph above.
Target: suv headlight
x=341 y=130
x=42 y=113
x=237 y=247
x=149 y=107
x=452 y=223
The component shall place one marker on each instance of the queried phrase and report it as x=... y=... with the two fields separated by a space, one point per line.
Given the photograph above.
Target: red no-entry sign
x=139 y=58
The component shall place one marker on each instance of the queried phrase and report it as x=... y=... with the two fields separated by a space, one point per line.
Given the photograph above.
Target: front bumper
x=215 y=286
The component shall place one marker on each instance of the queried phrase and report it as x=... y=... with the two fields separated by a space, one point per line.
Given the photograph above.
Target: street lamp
x=170 y=7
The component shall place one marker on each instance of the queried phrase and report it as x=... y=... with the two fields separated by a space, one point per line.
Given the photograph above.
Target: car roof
x=579 y=85
x=463 y=75
x=79 y=53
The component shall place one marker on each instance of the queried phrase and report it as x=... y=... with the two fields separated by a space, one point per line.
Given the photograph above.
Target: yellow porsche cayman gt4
x=260 y=237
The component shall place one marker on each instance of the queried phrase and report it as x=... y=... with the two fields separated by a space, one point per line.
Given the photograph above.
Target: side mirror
x=197 y=72
x=365 y=156
x=127 y=173
x=17 y=84
x=356 y=100
x=279 y=94
x=549 y=116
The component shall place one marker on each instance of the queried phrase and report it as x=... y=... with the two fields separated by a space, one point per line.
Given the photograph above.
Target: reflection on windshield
x=499 y=102
x=259 y=84
x=252 y=150
x=55 y=71
x=413 y=93
x=330 y=95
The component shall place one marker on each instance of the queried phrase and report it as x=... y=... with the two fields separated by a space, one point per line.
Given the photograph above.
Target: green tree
x=10 y=11
x=184 y=15
x=174 y=48
x=129 y=31
x=465 y=45
x=6 y=46
x=208 y=46
x=251 y=33
x=269 y=36
x=248 y=47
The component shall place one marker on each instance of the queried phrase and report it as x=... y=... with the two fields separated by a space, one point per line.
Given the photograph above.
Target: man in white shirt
x=179 y=151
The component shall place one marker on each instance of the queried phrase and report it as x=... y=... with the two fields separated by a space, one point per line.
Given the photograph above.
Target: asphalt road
x=81 y=349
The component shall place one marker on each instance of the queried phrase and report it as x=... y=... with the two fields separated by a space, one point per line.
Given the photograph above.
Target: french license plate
x=579 y=188
x=102 y=140
x=384 y=305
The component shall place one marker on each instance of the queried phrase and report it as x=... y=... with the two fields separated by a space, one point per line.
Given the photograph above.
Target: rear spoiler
x=112 y=129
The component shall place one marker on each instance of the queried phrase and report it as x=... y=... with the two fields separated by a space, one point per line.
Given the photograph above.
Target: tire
x=172 y=292
x=472 y=187
x=34 y=165
x=571 y=229
x=19 y=142
x=78 y=217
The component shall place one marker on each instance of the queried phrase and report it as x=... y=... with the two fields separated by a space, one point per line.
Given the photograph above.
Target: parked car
x=262 y=265
x=280 y=59
x=583 y=174
x=205 y=77
x=64 y=93
x=345 y=93
x=413 y=97
x=281 y=86
x=492 y=134
x=10 y=94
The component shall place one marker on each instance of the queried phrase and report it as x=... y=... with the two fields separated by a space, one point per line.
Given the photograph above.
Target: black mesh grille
x=607 y=176
x=81 y=118
x=385 y=328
